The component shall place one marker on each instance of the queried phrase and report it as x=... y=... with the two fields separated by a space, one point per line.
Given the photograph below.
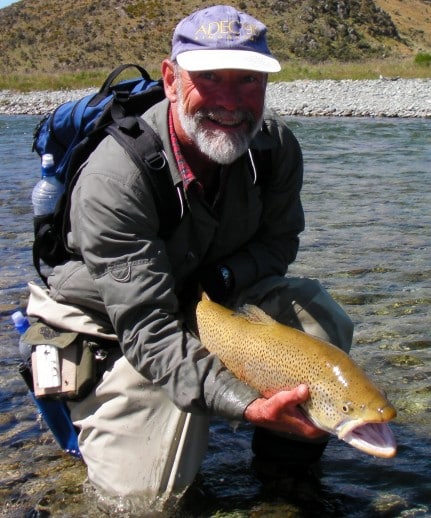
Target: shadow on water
x=367 y=199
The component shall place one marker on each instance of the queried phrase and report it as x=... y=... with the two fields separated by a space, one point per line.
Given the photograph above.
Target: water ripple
x=367 y=196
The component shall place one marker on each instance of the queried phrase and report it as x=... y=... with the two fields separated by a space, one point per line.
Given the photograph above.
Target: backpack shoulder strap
x=145 y=149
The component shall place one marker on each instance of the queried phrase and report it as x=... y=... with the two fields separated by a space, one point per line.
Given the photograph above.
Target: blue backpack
x=73 y=131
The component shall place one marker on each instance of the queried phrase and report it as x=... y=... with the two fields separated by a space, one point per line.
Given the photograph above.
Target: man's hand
x=280 y=413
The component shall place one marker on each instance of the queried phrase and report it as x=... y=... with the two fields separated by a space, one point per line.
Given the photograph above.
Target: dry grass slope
x=50 y=36
x=413 y=21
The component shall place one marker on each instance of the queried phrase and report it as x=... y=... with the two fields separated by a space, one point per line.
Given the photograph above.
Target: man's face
x=221 y=110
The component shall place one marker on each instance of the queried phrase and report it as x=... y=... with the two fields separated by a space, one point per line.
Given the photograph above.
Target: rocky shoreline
x=384 y=97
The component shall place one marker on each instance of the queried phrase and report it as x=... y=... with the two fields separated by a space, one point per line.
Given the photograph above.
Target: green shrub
x=423 y=58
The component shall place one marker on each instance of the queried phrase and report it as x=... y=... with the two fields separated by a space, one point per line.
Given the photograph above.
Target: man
x=143 y=429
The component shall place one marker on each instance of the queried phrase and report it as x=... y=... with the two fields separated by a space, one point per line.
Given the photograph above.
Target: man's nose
x=228 y=96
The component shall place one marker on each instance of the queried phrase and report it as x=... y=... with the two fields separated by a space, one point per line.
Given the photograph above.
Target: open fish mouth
x=373 y=438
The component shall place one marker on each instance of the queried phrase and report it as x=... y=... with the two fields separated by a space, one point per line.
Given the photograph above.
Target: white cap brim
x=225 y=59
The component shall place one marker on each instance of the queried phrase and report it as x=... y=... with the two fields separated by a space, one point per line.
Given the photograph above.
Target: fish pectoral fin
x=254 y=315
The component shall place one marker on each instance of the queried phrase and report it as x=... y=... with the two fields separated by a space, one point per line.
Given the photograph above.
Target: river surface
x=367 y=196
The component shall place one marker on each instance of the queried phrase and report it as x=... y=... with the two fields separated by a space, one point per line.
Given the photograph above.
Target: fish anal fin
x=254 y=315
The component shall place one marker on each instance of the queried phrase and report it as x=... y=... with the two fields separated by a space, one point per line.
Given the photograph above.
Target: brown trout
x=270 y=356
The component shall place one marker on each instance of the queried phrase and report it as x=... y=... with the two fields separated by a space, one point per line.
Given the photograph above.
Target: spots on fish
x=270 y=356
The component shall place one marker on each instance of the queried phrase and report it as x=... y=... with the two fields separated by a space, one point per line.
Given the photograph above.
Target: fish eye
x=347 y=407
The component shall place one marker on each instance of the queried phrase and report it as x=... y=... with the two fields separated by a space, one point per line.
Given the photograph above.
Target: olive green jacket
x=135 y=277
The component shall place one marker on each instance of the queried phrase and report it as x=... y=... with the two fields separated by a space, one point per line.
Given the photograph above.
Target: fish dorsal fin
x=254 y=315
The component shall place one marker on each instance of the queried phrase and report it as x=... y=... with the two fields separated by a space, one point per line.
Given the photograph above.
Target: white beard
x=220 y=146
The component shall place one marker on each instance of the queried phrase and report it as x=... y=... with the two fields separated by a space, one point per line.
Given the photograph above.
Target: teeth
x=224 y=122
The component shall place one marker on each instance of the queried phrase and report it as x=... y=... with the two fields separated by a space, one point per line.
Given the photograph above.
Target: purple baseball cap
x=220 y=37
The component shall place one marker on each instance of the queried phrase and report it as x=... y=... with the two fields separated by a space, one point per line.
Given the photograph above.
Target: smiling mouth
x=225 y=123
x=227 y=119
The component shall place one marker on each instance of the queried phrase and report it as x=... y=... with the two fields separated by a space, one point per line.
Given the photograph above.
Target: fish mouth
x=373 y=438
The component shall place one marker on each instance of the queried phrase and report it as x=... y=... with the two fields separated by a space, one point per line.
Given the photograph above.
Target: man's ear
x=169 y=80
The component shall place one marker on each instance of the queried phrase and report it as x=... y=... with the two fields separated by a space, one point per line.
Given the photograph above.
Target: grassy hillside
x=412 y=19
x=85 y=36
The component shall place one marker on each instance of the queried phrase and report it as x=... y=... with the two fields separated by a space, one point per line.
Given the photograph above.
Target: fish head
x=358 y=417
x=368 y=430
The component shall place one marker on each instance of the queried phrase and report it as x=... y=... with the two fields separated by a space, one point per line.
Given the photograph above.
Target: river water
x=367 y=195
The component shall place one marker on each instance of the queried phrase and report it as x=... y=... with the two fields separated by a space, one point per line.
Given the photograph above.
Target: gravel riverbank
x=386 y=97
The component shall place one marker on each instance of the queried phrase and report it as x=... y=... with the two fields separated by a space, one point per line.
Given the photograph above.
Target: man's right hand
x=279 y=412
